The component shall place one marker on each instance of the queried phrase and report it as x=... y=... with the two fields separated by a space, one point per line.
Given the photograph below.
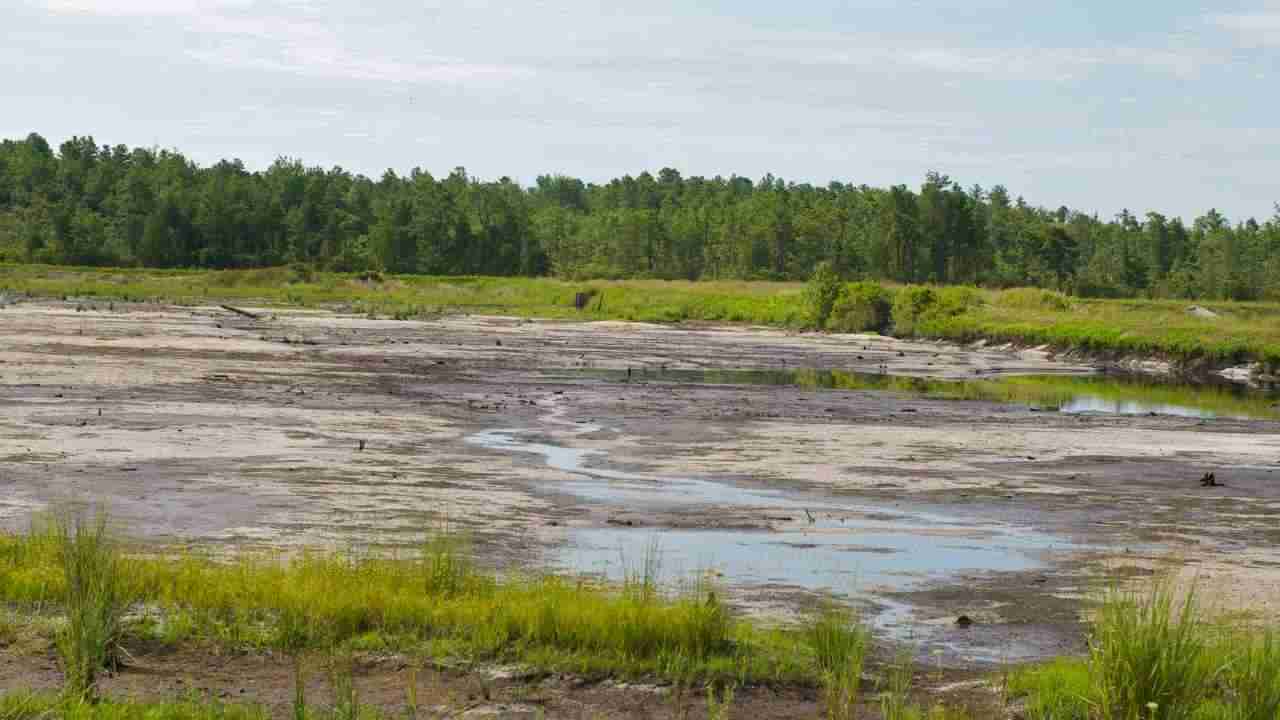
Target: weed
x=1149 y=648
x=436 y=600
x=346 y=700
x=32 y=706
x=411 y=695
x=839 y=644
x=1058 y=690
x=96 y=599
x=1253 y=676
x=895 y=688
x=299 y=687
x=718 y=707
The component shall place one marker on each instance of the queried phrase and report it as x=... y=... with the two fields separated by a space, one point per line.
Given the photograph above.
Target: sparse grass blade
x=839 y=644
x=1253 y=677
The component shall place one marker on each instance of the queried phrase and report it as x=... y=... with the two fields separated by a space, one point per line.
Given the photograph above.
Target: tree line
x=87 y=204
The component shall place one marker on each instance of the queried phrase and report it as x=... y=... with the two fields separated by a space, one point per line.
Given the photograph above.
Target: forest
x=90 y=204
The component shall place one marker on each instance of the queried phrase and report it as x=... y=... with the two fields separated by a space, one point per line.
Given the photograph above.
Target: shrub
x=909 y=307
x=1034 y=299
x=915 y=305
x=821 y=294
x=861 y=307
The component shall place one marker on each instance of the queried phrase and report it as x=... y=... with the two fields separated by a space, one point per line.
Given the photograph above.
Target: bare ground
x=197 y=425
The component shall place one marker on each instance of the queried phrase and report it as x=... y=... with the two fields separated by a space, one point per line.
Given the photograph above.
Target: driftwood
x=238 y=311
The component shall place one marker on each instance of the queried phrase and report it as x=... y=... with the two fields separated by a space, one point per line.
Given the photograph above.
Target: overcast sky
x=1171 y=105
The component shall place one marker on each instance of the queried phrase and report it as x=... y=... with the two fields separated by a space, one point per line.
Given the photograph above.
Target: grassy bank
x=71 y=582
x=1152 y=654
x=1243 y=332
x=436 y=603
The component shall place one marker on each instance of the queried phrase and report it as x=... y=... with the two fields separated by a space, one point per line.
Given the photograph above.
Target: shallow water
x=1106 y=394
x=819 y=542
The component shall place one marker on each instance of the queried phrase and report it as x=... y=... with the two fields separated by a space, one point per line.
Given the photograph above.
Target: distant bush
x=1033 y=299
x=910 y=306
x=916 y=304
x=822 y=293
x=862 y=306
x=300 y=272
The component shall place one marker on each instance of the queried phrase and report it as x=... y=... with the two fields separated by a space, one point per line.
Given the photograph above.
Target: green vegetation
x=840 y=646
x=1152 y=654
x=1152 y=657
x=86 y=204
x=1243 y=332
x=822 y=293
x=1149 y=652
x=436 y=602
x=32 y=706
x=96 y=597
x=863 y=307
x=1042 y=391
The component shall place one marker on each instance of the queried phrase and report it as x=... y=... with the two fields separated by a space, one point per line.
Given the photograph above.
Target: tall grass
x=1153 y=656
x=895 y=689
x=435 y=601
x=839 y=643
x=95 y=595
x=1252 y=676
x=1148 y=650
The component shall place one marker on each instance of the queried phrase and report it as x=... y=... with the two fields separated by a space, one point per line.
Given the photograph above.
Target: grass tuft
x=839 y=645
x=1148 y=650
x=96 y=598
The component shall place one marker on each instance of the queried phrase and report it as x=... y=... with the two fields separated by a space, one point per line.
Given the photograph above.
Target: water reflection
x=1119 y=395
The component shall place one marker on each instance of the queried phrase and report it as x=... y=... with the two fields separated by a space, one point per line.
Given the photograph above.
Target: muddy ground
x=200 y=425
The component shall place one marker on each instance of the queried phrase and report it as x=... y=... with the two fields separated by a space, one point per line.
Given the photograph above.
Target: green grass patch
x=1243 y=332
x=435 y=602
x=44 y=706
x=1153 y=657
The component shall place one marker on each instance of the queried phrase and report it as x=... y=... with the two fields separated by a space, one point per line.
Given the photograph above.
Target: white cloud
x=1252 y=28
x=135 y=8
x=283 y=36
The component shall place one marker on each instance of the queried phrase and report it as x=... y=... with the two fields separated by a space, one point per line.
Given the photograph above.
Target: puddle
x=851 y=561
x=1114 y=395
x=819 y=543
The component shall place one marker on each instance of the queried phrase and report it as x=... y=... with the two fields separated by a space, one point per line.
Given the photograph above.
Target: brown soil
x=383 y=682
x=196 y=425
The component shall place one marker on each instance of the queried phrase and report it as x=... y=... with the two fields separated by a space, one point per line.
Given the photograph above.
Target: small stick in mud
x=361 y=445
x=239 y=311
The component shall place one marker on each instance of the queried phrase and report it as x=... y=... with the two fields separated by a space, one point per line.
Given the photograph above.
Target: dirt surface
x=309 y=428
x=502 y=693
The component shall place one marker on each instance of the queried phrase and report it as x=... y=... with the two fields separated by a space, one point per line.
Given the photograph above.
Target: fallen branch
x=238 y=311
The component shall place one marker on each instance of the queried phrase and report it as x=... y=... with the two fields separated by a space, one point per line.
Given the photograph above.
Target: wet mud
x=589 y=447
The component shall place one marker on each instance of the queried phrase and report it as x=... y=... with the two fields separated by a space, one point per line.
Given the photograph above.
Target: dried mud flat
x=198 y=425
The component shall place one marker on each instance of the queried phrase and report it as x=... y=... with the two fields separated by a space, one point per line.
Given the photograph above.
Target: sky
x=1167 y=105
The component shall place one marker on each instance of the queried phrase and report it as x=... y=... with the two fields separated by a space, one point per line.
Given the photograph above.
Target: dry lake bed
x=788 y=468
